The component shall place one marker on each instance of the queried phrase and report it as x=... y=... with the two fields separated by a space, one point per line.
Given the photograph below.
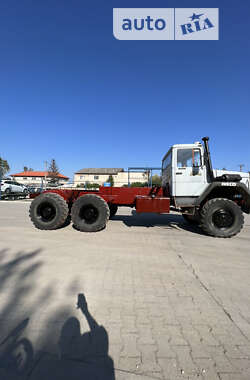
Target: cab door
x=189 y=172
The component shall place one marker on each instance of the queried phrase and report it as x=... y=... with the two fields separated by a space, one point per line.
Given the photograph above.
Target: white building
x=36 y=178
x=101 y=175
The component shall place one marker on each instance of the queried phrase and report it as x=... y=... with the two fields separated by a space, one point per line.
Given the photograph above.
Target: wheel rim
x=223 y=218
x=46 y=212
x=89 y=214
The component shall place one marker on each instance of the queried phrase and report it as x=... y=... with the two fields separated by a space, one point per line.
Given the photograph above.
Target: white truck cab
x=185 y=172
x=216 y=199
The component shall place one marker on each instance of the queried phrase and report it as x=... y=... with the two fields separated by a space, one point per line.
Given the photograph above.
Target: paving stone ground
x=163 y=300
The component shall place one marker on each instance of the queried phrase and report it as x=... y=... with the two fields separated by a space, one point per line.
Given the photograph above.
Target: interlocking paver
x=148 y=358
x=130 y=346
x=145 y=335
x=176 y=336
x=223 y=364
x=207 y=368
x=170 y=368
x=171 y=301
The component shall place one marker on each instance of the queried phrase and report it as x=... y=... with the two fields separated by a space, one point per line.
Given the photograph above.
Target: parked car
x=9 y=186
x=35 y=189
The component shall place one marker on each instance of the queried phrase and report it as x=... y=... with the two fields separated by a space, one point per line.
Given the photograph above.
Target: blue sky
x=70 y=91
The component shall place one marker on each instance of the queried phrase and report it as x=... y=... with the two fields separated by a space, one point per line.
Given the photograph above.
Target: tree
x=26 y=169
x=111 y=180
x=89 y=185
x=139 y=184
x=53 y=171
x=156 y=180
x=4 y=167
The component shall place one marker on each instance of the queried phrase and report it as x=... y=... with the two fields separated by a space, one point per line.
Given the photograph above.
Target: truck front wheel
x=48 y=211
x=90 y=213
x=221 y=218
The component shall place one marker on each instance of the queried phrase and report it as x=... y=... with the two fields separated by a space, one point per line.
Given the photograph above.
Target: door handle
x=179 y=173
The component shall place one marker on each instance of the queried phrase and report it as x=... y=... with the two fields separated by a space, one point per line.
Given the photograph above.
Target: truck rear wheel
x=112 y=210
x=221 y=218
x=90 y=213
x=48 y=211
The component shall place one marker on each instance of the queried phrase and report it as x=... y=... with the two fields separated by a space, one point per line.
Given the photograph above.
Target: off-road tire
x=90 y=213
x=112 y=210
x=192 y=219
x=42 y=204
x=219 y=211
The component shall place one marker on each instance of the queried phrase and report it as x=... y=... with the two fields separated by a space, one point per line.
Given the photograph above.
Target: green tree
x=4 y=167
x=26 y=169
x=53 y=171
x=92 y=185
x=110 y=180
x=139 y=184
x=156 y=180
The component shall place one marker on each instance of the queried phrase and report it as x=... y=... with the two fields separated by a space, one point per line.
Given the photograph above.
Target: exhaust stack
x=209 y=163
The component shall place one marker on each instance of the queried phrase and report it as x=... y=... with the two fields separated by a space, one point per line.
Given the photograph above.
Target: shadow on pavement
x=17 y=354
x=79 y=356
x=156 y=220
x=83 y=356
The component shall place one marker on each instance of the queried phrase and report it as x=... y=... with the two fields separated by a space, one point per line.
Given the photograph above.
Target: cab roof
x=187 y=145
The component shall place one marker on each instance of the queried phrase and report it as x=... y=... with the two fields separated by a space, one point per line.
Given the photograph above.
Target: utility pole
x=46 y=168
x=241 y=166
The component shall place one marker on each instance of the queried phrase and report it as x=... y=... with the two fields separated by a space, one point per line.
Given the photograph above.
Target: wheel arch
x=234 y=191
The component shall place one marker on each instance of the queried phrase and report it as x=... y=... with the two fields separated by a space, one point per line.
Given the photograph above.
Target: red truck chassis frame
x=144 y=199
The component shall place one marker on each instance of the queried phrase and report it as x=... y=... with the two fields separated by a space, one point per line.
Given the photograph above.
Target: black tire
x=221 y=218
x=112 y=210
x=90 y=213
x=8 y=190
x=48 y=211
x=192 y=219
x=25 y=192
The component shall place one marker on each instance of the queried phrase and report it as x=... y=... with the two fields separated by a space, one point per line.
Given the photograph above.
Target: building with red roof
x=36 y=178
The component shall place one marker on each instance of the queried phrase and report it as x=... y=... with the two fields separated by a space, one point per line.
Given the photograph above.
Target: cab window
x=187 y=158
x=167 y=161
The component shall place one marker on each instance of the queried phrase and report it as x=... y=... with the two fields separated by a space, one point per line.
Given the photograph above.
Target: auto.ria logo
x=166 y=23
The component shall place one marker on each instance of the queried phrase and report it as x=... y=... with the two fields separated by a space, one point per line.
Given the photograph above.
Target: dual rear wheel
x=89 y=213
x=49 y=211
